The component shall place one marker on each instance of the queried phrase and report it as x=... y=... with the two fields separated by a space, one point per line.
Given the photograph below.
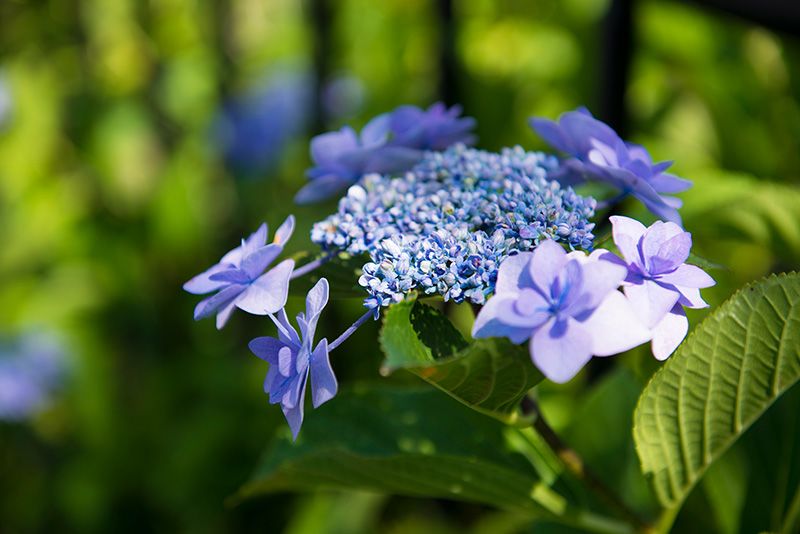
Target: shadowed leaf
x=488 y=375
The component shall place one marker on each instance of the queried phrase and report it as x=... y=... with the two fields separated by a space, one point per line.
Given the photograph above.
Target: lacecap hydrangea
x=446 y=225
x=504 y=231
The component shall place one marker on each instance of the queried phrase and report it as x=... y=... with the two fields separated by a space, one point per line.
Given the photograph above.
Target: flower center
x=528 y=302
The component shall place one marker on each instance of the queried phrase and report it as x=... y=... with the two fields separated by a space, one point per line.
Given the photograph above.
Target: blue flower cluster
x=445 y=226
x=436 y=217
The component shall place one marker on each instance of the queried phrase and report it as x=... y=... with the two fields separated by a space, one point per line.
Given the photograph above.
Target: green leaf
x=721 y=380
x=703 y=263
x=342 y=274
x=488 y=375
x=409 y=442
x=722 y=204
x=419 y=443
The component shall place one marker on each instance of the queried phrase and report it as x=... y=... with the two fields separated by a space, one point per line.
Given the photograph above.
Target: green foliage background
x=112 y=194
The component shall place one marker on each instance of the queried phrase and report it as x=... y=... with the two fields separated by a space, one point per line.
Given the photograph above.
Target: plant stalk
x=577 y=467
x=312 y=265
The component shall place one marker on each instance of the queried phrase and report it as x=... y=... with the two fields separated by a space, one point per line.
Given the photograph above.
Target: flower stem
x=577 y=467
x=310 y=266
x=347 y=333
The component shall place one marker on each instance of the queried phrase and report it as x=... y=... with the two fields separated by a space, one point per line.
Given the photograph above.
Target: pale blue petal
x=553 y=135
x=254 y=263
x=266 y=348
x=615 y=326
x=316 y=300
x=669 y=333
x=269 y=292
x=513 y=273
x=560 y=349
x=651 y=301
x=214 y=303
x=668 y=183
x=231 y=276
x=323 y=382
x=285 y=231
x=202 y=283
x=547 y=261
x=322 y=188
x=627 y=232
x=671 y=254
x=294 y=415
x=327 y=147
x=224 y=314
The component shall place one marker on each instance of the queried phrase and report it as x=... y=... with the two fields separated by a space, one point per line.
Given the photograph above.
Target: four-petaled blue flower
x=600 y=154
x=292 y=358
x=566 y=304
x=433 y=129
x=238 y=279
x=342 y=158
x=659 y=283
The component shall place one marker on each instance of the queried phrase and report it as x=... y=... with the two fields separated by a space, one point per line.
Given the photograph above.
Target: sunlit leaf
x=726 y=375
x=725 y=205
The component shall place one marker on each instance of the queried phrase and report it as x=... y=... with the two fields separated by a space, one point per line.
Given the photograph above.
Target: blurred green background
x=115 y=189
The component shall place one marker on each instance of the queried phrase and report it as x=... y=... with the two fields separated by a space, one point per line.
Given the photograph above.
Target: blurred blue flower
x=600 y=154
x=6 y=100
x=433 y=129
x=343 y=96
x=390 y=143
x=343 y=157
x=292 y=359
x=254 y=129
x=566 y=304
x=31 y=371
x=238 y=280
x=659 y=282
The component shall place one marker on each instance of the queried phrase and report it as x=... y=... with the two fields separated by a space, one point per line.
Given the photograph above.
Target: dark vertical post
x=615 y=63
x=448 y=90
x=617 y=44
x=222 y=46
x=320 y=14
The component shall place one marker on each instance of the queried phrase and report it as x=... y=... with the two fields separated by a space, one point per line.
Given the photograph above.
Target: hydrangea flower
x=659 y=283
x=293 y=358
x=445 y=226
x=390 y=143
x=31 y=370
x=253 y=129
x=342 y=158
x=566 y=304
x=237 y=279
x=433 y=129
x=600 y=154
